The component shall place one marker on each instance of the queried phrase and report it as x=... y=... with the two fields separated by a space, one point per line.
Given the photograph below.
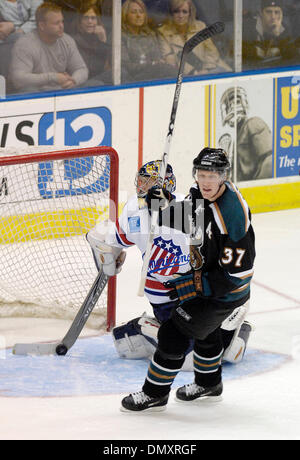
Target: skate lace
x=192 y=388
x=140 y=397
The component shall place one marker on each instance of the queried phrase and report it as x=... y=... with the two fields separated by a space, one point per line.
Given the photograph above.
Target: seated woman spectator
x=16 y=18
x=267 y=42
x=106 y=10
x=90 y=37
x=141 y=56
x=72 y=8
x=181 y=25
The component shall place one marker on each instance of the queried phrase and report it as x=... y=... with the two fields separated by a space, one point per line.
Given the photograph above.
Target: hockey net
x=49 y=200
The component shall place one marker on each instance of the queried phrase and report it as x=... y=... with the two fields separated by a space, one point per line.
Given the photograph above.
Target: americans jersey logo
x=166 y=257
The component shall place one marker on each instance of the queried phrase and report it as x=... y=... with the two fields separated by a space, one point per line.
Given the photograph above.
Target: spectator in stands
x=90 y=37
x=266 y=40
x=16 y=18
x=177 y=29
x=141 y=56
x=47 y=58
x=72 y=8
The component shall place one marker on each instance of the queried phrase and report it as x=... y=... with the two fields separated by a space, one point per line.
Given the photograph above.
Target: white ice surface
x=265 y=405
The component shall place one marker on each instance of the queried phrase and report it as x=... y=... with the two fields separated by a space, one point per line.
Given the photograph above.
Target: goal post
x=49 y=200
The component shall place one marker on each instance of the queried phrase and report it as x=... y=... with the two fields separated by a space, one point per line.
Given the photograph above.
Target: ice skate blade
x=150 y=409
x=202 y=400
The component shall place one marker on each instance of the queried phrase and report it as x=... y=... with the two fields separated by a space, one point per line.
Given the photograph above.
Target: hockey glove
x=185 y=287
x=111 y=259
x=158 y=198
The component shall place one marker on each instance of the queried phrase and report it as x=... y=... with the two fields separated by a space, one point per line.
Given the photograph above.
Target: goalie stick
x=61 y=348
x=198 y=38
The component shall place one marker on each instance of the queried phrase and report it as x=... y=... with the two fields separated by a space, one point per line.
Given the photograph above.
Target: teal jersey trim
x=232 y=213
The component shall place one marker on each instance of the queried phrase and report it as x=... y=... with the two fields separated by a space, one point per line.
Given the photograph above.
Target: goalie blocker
x=109 y=258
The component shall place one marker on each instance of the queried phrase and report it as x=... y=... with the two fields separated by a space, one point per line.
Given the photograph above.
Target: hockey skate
x=139 y=401
x=192 y=391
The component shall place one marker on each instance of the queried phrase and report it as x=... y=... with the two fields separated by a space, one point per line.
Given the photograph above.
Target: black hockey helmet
x=211 y=159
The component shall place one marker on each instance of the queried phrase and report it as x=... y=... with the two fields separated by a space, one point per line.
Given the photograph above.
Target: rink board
x=272 y=197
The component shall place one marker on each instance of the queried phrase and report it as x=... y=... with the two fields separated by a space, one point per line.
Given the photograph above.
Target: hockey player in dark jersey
x=222 y=256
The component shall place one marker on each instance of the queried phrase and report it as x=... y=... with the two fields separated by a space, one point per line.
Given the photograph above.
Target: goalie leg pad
x=234 y=353
x=136 y=339
x=149 y=328
x=188 y=365
x=236 y=319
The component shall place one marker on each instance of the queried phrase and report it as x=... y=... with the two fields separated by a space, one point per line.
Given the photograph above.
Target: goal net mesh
x=46 y=208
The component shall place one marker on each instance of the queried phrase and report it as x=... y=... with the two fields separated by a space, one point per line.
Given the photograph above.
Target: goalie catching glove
x=109 y=258
x=158 y=197
x=185 y=287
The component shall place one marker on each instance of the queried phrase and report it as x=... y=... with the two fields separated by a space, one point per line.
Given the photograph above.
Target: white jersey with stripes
x=170 y=250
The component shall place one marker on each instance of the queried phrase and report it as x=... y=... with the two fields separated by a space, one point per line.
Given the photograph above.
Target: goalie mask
x=148 y=176
x=233 y=103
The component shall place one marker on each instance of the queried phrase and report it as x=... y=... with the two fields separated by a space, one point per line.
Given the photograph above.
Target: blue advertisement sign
x=83 y=128
x=287 y=126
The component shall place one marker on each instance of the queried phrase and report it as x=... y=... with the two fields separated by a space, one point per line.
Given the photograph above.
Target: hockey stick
x=199 y=37
x=61 y=348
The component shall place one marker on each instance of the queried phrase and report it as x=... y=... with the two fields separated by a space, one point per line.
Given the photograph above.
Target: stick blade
x=37 y=349
x=214 y=29
x=217 y=28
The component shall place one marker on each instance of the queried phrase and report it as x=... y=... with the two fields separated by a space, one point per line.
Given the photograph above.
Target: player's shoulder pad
x=194 y=192
x=231 y=213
